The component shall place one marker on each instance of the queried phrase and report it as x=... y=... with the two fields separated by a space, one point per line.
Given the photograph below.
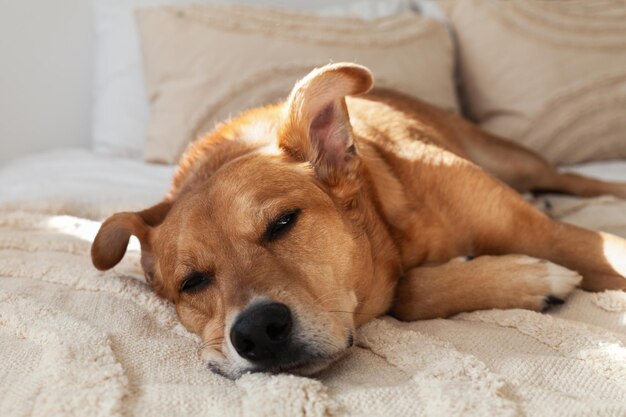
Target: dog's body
x=287 y=227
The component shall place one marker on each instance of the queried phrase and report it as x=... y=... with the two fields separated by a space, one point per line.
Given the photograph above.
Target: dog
x=289 y=226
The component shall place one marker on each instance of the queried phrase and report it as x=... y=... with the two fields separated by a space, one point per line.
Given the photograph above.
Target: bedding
x=79 y=342
x=82 y=182
x=191 y=89
x=120 y=105
x=550 y=75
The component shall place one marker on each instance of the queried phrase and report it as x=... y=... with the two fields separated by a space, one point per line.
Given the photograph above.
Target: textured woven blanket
x=78 y=342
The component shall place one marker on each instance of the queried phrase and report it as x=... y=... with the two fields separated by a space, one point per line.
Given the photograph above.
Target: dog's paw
x=543 y=284
x=562 y=283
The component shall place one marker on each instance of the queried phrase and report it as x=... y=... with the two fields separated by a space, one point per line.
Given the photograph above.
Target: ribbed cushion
x=206 y=63
x=550 y=75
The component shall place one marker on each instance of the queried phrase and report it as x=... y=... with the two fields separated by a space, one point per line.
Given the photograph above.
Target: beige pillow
x=550 y=75
x=206 y=63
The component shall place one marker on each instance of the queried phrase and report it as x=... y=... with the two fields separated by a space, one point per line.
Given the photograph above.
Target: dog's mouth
x=306 y=365
x=302 y=368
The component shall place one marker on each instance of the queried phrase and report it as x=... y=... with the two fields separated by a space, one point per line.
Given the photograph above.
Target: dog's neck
x=367 y=213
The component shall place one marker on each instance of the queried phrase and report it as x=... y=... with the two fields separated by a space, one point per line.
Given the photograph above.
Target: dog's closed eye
x=279 y=227
x=195 y=282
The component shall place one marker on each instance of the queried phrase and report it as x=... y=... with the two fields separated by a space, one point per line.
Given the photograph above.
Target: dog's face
x=264 y=258
x=261 y=263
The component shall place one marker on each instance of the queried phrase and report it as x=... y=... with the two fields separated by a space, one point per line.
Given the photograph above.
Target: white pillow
x=120 y=108
x=238 y=57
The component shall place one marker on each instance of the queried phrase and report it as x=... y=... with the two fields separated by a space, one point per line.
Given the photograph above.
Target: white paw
x=548 y=283
x=537 y=284
x=562 y=280
x=524 y=281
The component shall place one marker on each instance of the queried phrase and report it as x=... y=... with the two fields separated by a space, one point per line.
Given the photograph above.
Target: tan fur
x=391 y=190
x=507 y=281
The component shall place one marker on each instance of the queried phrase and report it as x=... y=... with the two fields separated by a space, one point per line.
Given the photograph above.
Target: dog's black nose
x=262 y=332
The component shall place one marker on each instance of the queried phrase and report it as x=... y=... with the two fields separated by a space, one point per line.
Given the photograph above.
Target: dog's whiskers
x=350 y=312
x=214 y=346
x=213 y=343
x=324 y=298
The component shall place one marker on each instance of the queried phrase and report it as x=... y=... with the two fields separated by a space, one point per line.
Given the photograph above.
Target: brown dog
x=292 y=224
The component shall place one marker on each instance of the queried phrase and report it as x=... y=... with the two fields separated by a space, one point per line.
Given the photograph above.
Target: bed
x=79 y=342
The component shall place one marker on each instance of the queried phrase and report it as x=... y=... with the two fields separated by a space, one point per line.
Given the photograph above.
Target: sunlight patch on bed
x=613 y=250
x=82 y=229
x=611 y=351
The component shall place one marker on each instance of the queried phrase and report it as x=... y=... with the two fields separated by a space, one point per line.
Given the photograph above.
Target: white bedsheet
x=81 y=181
x=608 y=170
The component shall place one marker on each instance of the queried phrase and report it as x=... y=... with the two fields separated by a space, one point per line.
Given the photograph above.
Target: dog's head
x=266 y=249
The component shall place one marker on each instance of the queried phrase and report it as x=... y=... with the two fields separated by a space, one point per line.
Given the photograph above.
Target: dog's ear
x=110 y=244
x=316 y=127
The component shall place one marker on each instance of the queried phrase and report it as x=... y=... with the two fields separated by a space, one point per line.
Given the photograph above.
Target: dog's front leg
x=486 y=282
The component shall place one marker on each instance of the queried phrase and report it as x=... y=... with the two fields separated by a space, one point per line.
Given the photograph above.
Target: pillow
x=550 y=75
x=120 y=107
x=206 y=63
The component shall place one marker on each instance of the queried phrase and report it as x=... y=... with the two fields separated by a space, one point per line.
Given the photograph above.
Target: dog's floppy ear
x=317 y=127
x=110 y=244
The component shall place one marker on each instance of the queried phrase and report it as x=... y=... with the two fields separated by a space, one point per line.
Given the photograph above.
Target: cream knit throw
x=78 y=342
